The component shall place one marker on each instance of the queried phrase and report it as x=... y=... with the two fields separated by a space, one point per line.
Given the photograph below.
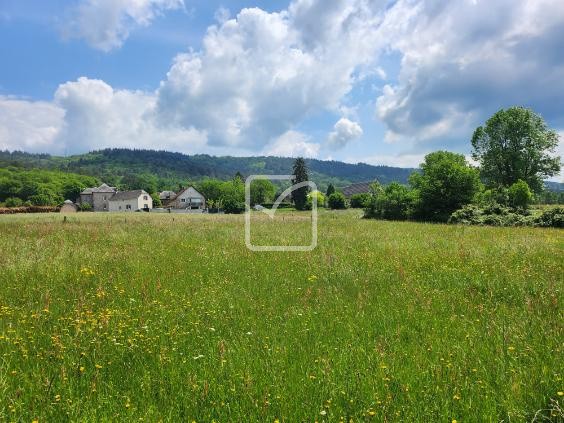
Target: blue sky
x=377 y=81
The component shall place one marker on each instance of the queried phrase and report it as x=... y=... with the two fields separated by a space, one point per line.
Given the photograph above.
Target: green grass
x=123 y=317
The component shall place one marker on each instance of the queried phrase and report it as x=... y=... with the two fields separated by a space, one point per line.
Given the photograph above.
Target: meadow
x=146 y=317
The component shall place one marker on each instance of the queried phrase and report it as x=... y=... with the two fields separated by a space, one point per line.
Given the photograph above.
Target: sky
x=373 y=81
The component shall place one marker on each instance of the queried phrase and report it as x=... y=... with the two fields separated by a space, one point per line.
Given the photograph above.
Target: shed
x=69 y=207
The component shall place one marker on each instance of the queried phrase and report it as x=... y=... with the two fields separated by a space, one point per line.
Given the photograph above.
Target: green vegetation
x=161 y=170
x=40 y=187
x=360 y=201
x=516 y=144
x=337 y=201
x=301 y=174
x=101 y=319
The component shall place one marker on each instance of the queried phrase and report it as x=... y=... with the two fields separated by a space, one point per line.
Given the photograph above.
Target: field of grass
x=150 y=317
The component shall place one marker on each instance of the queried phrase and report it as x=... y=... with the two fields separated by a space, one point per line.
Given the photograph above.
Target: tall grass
x=128 y=317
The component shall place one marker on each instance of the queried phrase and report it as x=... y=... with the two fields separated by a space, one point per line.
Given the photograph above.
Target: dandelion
x=511 y=348
x=560 y=393
x=98 y=366
x=57 y=398
x=82 y=369
x=456 y=397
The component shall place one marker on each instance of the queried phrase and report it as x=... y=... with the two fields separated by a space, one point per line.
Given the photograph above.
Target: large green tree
x=301 y=174
x=262 y=191
x=516 y=144
x=447 y=182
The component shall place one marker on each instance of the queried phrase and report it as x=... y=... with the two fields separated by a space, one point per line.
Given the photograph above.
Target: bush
x=553 y=218
x=520 y=196
x=320 y=199
x=337 y=201
x=491 y=215
x=232 y=206
x=13 y=202
x=360 y=201
x=395 y=202
x=85 y=207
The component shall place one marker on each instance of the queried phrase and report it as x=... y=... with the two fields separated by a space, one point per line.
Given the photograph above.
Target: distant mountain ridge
x=112 y=164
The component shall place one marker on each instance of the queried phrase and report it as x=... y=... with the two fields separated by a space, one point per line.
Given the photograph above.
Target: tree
x=337 y=201
x=516 y=144
x=211 y=189
x=520 y=196
x=330 y=190
x=262 y=191
x=156 y=200
x=447 y=182
x=320 y=199
x=233 y=196
x=300 y=173
x=360 y=201
x=394 y=202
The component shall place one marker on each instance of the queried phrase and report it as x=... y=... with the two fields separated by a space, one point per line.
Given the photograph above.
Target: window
x=120 y=207
x=104 y=198
x=145 y=206
x=128 y=207
x=145 y=198
x=183 y=200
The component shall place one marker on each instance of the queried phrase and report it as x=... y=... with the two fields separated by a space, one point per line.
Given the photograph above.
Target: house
x=130 y=201
x=189 y=198
x=166 y=196
x=68 y=207
x=98 y=197
x=358 y=188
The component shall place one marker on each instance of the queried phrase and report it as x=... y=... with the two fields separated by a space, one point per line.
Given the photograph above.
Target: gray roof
x=68 y=202
x=167 y=195
x=128 y=195
x=359 y=188
x=101 y=188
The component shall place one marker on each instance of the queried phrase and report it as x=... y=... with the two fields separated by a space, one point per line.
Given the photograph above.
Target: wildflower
x=560 y=393
x=98 y=366
x=456 y=397
x=81 y=369
x=323 y=412
x=371 y=412
x=454 y=421
x=276 y=421
x=57 y=398
x=511 y=348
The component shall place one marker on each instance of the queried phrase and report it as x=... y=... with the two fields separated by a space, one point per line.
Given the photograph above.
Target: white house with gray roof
x=130 y=201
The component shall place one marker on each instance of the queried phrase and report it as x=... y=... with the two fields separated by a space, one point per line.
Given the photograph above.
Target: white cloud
x=344 y=132
x=106 y=24
x=462 y=61
x=29 y=125
x=292 y=144
x=260 y=74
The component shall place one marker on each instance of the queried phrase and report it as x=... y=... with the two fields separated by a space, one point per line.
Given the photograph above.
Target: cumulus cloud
x=292 y=144
x=89 y=114
x=344 y=132
x=462 y=61
x=106 y=24
x=29 y=125
x=260 y=74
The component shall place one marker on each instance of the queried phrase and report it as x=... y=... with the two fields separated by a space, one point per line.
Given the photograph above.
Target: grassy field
x=150 y=317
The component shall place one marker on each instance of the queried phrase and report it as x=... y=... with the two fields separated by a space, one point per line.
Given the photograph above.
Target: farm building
x=359 y=188
x=98 y=197
x=166 y=196
x=188 y=198
x=69 y=207
x=130 y=201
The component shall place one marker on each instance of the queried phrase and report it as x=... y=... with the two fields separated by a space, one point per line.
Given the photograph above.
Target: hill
x=167 y=170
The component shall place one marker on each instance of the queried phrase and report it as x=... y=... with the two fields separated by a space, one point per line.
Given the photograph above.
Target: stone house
x=98 y=197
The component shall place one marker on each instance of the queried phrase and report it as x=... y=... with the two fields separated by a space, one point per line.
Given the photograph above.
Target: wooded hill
x=167 y=170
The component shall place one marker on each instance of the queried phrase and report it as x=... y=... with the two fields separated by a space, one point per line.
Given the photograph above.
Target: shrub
x=360 y=201
x=232 y=206
x=13 y=202
x=337 y=201
x=320 y=199
x=550 y=218
x=520 y=196
x=395 y=202
x=85 y=207
x=491 y=215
